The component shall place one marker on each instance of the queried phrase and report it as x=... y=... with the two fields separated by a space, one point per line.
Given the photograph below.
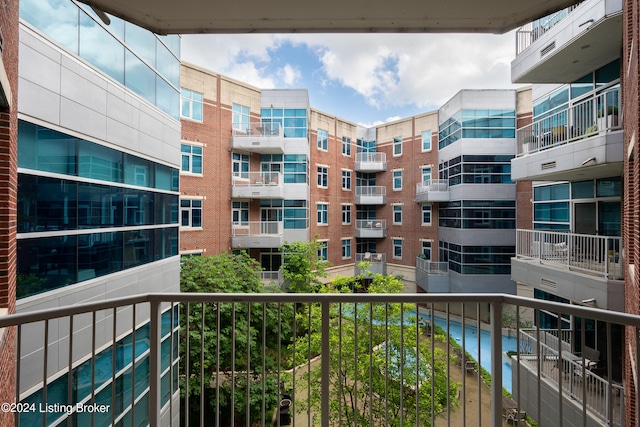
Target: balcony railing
x=531 y=32
x=257 y=185
x=586 y=118
x=257 y=234
x=303 y=380
x=431 y=267
x=595 y=255
x=371 y=228
x=377 y=264
x=435 y=190
x=266 y=130
x=266 y=138
x=371 y=195
x=371 y=162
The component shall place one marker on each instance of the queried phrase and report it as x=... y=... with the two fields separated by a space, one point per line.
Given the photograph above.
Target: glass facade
x=478 y=214
x=147 y=64
x=481 y=124
x=129 y=354
x=292 y=120
x=477 y=169
x=477 y=259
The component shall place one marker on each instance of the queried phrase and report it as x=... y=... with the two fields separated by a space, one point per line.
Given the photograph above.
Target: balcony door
x=585 y=218
x=269 y=218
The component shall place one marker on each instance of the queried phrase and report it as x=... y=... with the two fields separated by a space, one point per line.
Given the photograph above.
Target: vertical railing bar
x=325 y=364
x=46 y=367
x=16 y=416
x=584 y=386
x=402 y=363
x=370 y=364
x=636 y=373
x=448 y=353
x=113 y=369
x=355 y=361
x=386 y=364
x=295 y=364
x=201 y=413
x=518 y=366
x=464 y=372
x=610 y=376
x=339 y=369
x=187 y=375
x=155 y=332
x=248 y=368
x=560 y=369
x=264 y=364
x=433 y=360
x=218 y=309
x=93 y=364
x=233 y=362
x=309 y=361
x=133 y=360
x=173 y=306
x=537 y=319
x=70 y=372
x=496 y=362
x=479 y=377
x=416 y=309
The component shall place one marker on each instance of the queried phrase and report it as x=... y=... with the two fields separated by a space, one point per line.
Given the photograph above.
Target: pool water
x=471 y=343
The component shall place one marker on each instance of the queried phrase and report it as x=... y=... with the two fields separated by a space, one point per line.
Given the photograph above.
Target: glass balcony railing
x=590 y=117
x=370 y=356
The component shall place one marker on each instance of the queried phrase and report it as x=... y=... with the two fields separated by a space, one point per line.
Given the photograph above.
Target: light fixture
x=590 y=159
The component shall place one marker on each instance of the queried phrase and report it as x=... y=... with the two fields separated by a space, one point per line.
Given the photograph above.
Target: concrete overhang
x=329 y=16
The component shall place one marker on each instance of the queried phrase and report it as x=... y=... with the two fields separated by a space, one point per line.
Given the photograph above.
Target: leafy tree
x=229 y=330
x=302 y=267
x=380 y=367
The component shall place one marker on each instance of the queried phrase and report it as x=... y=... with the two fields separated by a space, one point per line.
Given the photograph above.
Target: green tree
x=302 y=268
x=380 y=366
x=231 y=331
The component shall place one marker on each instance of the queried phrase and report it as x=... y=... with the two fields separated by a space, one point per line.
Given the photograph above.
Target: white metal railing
x=586 y=118
x=574 y=374
x=532 y=31
x=371 y=224
x=257 y=228
x=596 y=255
x=372 y=257
x=432 y=186
x=256 y=179
x=431 y=267
x=297 y=381
x=266 y=130
x=271 y=275
x=548 y=337
x=371 y=157
x=371 y=190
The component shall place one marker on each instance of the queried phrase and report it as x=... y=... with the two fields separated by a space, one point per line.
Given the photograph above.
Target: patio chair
x=516 y=416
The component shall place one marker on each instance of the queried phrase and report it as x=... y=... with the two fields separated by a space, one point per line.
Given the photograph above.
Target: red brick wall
x=8 y=184
x=630 y=73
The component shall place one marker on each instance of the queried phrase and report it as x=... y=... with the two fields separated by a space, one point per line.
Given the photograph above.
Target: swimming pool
x=471 y=341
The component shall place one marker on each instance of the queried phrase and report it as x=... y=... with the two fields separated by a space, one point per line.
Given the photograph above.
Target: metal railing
x=371 y=157
x=371 y=190
x=596 y=255
x=431 y=267
x=581 y=120
x=432 y=186
x=374 y=258
x=298 y=368
x=271 y=275
x=532 y=31
x=257 y=228
x=266 y=130
x=256 y=179
x=371 y=224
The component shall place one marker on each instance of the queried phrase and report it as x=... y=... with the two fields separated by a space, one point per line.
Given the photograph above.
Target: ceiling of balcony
x=330 y=16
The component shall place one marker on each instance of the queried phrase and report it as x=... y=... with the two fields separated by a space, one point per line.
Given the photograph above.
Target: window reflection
x=99 y=48
x=139 y=77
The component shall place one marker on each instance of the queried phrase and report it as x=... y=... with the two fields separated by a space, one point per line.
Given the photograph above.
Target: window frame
x=191 y=102
x=322 y=209
x=397 y=146
x=424 y=211
x=429 y=139
x=397 y=246
x=190 y=211
x=397 y=177
x=346 y=248
x=346 y=146
x=397 y=214
x=346 y=179
x=322 y=139
x=242 y=112
x=323 y=250
x=346 y=211
x=323 y=176
x=191 y=155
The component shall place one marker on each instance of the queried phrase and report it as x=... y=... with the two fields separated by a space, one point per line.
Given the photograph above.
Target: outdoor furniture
x=516 y=415
x=469 y=366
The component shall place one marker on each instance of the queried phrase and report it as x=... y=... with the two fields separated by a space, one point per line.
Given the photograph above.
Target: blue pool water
x=471 y=343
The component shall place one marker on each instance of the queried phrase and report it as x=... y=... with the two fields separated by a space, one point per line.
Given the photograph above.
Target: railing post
x=154 y=364
x=496 y=364
x=324 y=406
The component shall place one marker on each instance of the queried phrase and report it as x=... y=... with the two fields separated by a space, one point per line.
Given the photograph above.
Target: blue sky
x=365 y=78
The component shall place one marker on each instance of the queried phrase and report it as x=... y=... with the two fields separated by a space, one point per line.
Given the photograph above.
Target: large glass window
x=426 y=140
x=397 y=214
x=323 y=213
x=295 y=169
x=346 y=214
x=292 y=120
x=346 y=146
x=240 y=165
x=191 y=104
x=323 y=176
x=323 y=140
x=240 y=117
x=477 y=259
x=240 y=213
x=476 y=169
x=397 y=146
x=474 y=214
x=477 y=124
x=346 y=179
x=397 y=180
x=346 y=248
x=191 y=158
x=397 y=248
x=295 y=214
x=191 y=213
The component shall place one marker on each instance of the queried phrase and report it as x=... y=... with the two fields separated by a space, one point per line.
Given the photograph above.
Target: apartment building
x=98 y=137
x=569 y=245
x=262 y=167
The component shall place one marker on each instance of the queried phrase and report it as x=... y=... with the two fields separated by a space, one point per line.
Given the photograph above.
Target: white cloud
x=289 y=74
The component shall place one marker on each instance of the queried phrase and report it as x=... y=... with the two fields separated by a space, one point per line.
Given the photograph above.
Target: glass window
x=191 y=104
x=139 y=77
x=43 y=149
x=240 y=213
x=191 y=158
x=346 y=146
x=98 y=162
x=397 y=248
x=323 y=214
x=323 y=176
x=46 y=204
x=426 y=140
x=397 y=146
x=295 y=169
x=609 y=187
x=100 y=48
x=397 y=180
x=137 y=171
x=346 y=179
x=138 y=207
x=346 y=248
x=240 y=165
x=99 y=206
x=426 y=173
x=295 y=214
x=397 y=214
x=346 y=214
x=240 y=117
x=323 y=251
x=426 y=250
x=323 y=140
x=191 y=213
x=426 y=214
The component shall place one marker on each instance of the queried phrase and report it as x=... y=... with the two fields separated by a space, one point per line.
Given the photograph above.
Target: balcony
x=585 y=267
x=257 y=185
x=435 y=190
x=377 y=264
x=547 y=49
x=263 y=138
x=371 y=162
x=371 y=228
x=432 y=276
x=371 y=195
x=552 y=380
x=257 y=234
x=583 y=140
